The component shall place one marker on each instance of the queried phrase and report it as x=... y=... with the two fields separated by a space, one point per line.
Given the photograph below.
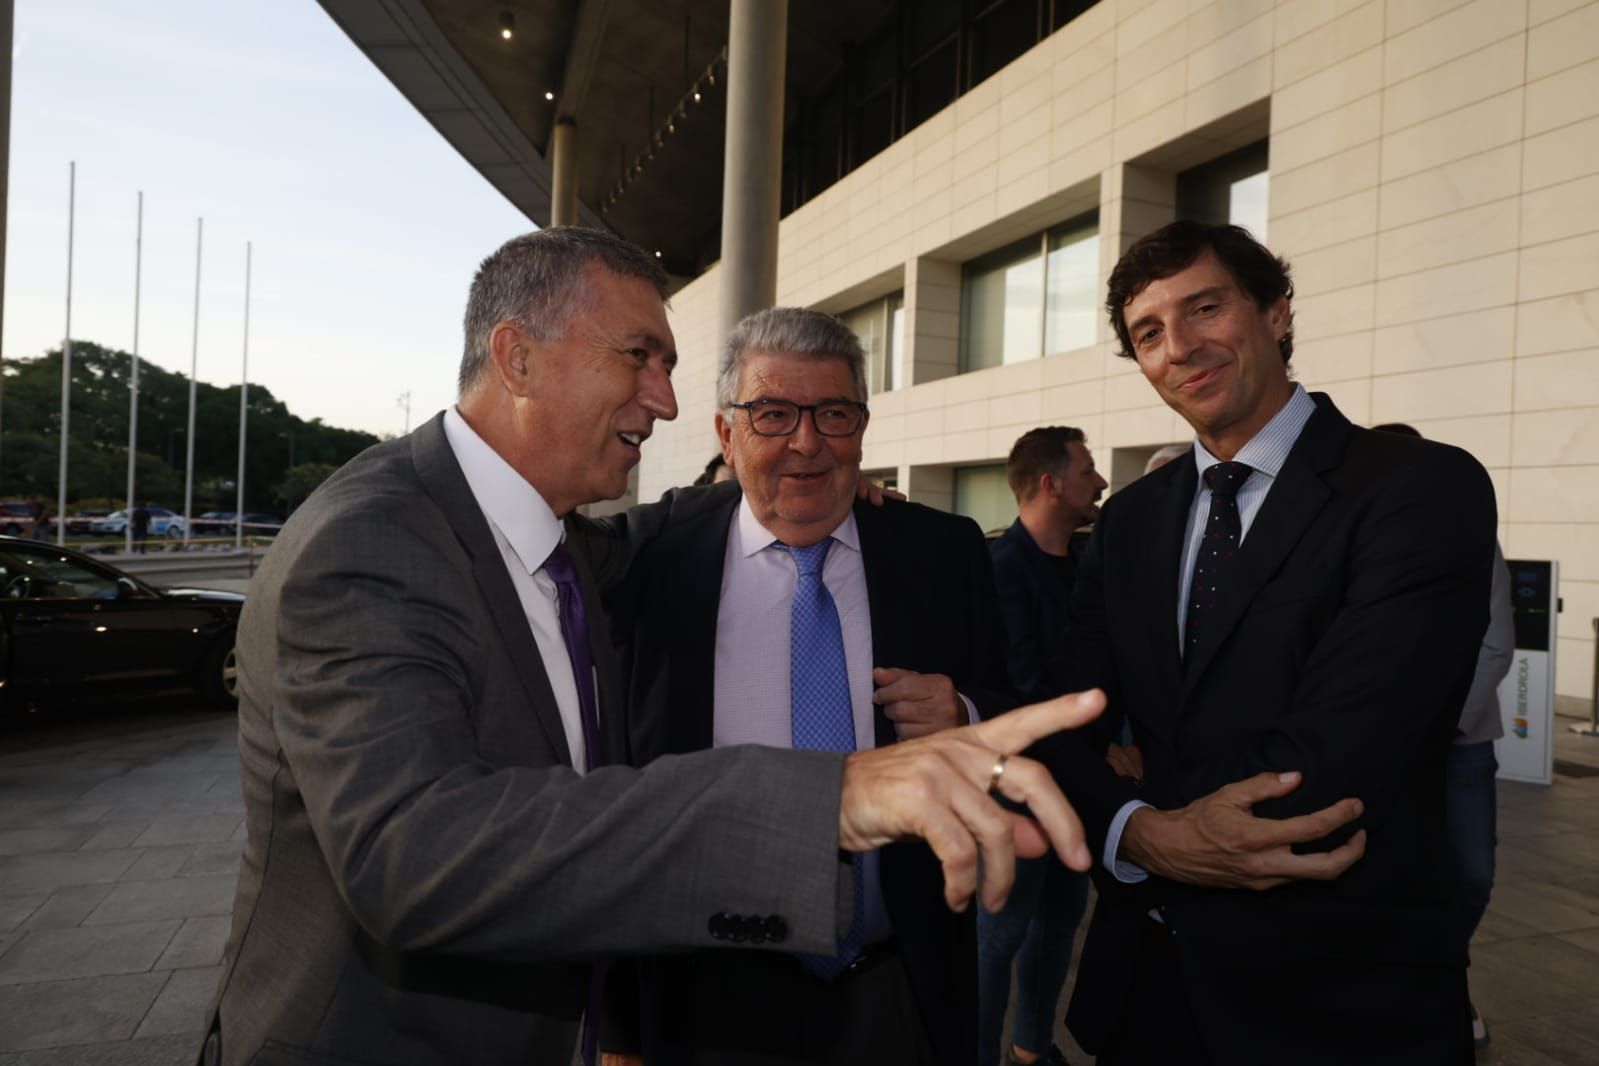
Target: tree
x=97 y=454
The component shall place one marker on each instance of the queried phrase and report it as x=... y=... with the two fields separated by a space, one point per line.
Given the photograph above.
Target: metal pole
x=244 y=406
x=563 y=173
x=757 y=51
x=133 y=377
x=194 y=367
x=66 y=362
x=7 y=11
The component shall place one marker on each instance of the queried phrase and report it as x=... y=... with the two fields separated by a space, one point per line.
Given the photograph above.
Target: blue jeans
x=1471 y=813
x=1035 y=929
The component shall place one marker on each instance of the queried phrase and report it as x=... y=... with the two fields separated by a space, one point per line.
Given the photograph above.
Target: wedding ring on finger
x=994 y=777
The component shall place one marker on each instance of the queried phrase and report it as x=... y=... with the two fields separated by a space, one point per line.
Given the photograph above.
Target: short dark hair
x=537 y=281
x=1036 y=453
x=1175 y=247
x=1400 y=429
x=708 y=475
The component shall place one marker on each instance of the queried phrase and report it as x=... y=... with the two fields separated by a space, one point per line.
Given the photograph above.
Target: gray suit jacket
x=425 y=875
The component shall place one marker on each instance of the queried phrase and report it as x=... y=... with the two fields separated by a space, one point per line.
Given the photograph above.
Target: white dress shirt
x=526 y=531
x=1264 y=454
x=753 y=623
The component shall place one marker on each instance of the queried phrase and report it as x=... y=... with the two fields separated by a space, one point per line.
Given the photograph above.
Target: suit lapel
x=1160 y=593
x=1295 y=499
x=441 y=477
x=694 y=585
x=879 y=561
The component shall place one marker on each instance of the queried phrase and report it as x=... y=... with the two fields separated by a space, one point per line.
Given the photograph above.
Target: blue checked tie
x=822 y=719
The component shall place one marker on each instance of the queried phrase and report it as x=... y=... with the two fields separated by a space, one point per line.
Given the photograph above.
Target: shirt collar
x=754 y=537
x=513 y=507
x=1267 y=450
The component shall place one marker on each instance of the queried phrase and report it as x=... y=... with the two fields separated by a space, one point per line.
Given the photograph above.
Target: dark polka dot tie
x=1218 y=549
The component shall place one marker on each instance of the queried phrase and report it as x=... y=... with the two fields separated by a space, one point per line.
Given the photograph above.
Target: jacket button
x=738 y=928
x=717 y=926
x=776 y=929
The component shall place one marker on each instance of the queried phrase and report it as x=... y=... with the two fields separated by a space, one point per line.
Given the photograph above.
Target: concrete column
x=757 y=50
x=563 y=173
x=933 y=311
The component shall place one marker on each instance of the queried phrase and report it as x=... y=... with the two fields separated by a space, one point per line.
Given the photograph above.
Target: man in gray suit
x=436 y=849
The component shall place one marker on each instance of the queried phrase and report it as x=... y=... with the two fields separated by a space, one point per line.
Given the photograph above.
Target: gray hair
x=537 y=281
x=795 y=331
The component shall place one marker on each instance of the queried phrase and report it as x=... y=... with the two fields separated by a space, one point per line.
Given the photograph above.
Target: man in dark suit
x=437 y=847
x=1057 y=489
x=1289 y=620
x=719 y=655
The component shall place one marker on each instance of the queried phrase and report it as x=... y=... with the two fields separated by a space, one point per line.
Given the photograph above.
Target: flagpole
x=194 y=367
x=244 y=406
x=133 y=379
x=66 y=362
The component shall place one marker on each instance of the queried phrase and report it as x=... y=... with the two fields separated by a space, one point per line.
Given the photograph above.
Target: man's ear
x=509 y=352
x=724 y=434
x=1281 y=315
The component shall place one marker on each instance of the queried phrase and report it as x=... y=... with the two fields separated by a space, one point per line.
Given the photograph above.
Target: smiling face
x=589 y=400
x=801 y=486
x=1211 y=353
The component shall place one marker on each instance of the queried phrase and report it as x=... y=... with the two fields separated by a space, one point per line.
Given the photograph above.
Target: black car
x=73 y=626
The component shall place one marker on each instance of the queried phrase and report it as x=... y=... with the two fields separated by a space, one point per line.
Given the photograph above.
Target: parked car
x=221 y=524
x=73 y=626
x=213 y=523
x=83 y=521
x=16 y=517
x=163 y=523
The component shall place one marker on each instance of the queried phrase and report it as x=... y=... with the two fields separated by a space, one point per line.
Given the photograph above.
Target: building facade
x=1430 y=168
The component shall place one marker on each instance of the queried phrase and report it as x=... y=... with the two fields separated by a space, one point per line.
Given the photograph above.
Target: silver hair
x=537 y=281
x=789 y=331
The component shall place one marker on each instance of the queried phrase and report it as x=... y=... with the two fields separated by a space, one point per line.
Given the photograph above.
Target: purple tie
x=575 y=631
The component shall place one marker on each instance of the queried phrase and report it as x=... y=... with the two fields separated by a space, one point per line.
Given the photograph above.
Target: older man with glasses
x=780 y=611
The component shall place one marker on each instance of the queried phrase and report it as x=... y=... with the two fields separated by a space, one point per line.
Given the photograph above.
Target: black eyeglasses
x=779 y=418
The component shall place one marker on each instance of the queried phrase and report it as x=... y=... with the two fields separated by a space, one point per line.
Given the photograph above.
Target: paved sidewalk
x=119 y=848
x=119 y=843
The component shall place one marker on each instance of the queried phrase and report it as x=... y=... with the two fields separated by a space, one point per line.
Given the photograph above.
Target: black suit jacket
x=1343 y=651
x=933 y=610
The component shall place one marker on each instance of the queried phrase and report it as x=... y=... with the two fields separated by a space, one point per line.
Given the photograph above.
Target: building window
x=1036 y=297
x=1229 y=189
x=880 y=325
x=983 y=495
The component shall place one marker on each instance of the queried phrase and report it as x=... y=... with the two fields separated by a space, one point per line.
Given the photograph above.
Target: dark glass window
x=933 y=82
x=1001 y=32
x=1229 y=188
x=1063 y=11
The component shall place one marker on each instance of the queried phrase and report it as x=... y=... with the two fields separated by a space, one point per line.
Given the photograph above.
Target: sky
x=264 y=119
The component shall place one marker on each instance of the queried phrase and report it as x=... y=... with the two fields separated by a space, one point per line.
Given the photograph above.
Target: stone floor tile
x=182 y=1005
x=1522 y=902
x=41 y=815
x=118 y=834
x=56 y=1014
x=1495 y=926
x=211 y=859
x=33 y=873
x=156 y=864
x=198 y=942
x=150 y=1051
x=33 y=841
x=208 y=829
x=14 y=910
x=66 y=907
x=180 y=897
x=62 y=954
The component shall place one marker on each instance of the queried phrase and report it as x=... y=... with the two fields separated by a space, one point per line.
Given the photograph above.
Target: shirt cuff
x=1126 y=872
x=972 y=717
